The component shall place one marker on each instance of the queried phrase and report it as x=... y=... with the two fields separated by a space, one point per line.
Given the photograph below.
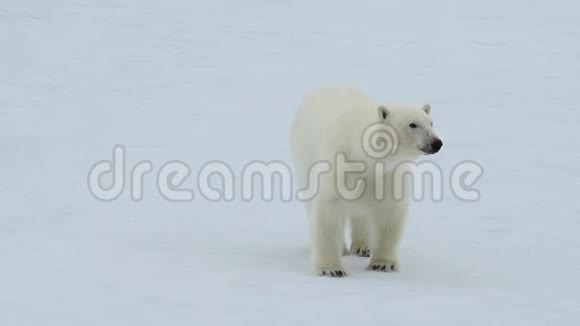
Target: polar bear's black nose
x=436 y=145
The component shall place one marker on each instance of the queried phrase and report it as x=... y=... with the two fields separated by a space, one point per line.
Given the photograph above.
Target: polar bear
x=347 y=130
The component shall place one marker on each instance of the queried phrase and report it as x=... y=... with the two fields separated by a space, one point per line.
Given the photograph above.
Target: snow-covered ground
x=220 y=80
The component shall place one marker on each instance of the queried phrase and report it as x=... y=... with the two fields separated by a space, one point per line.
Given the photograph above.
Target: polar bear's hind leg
x=360 y=237
x=327 y=240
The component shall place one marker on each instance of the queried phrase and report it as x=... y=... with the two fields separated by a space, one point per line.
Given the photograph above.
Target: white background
x=220 y=80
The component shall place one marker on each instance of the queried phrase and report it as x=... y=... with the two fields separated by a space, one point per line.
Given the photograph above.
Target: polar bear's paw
x=383 y=265
x=361 y=251
x=331 y=272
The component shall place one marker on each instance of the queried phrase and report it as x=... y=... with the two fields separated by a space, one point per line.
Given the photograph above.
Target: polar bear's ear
x=427 y=108
x=383 y=112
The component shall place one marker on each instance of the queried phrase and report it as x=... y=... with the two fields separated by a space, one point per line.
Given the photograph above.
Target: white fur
x=332 y=121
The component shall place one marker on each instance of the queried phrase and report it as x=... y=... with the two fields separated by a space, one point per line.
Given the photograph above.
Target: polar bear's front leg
x=386 y=235
x=327 y=239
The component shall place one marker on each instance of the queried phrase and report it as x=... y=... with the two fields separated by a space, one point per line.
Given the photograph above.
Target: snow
x=219 y=80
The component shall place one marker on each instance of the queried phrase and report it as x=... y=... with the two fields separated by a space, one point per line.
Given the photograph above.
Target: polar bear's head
x=414 y=128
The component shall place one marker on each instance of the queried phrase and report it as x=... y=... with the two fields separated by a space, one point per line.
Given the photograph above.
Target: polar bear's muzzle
x=434 y=147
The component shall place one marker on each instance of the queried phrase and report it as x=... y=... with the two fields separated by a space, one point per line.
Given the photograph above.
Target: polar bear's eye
x=413 y=125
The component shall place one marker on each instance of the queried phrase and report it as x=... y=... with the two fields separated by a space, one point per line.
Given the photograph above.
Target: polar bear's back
x=330 y=102
x=326 y=123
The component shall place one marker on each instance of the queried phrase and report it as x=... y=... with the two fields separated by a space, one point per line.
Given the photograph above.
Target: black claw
x=382 y=268
x=333 y=273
